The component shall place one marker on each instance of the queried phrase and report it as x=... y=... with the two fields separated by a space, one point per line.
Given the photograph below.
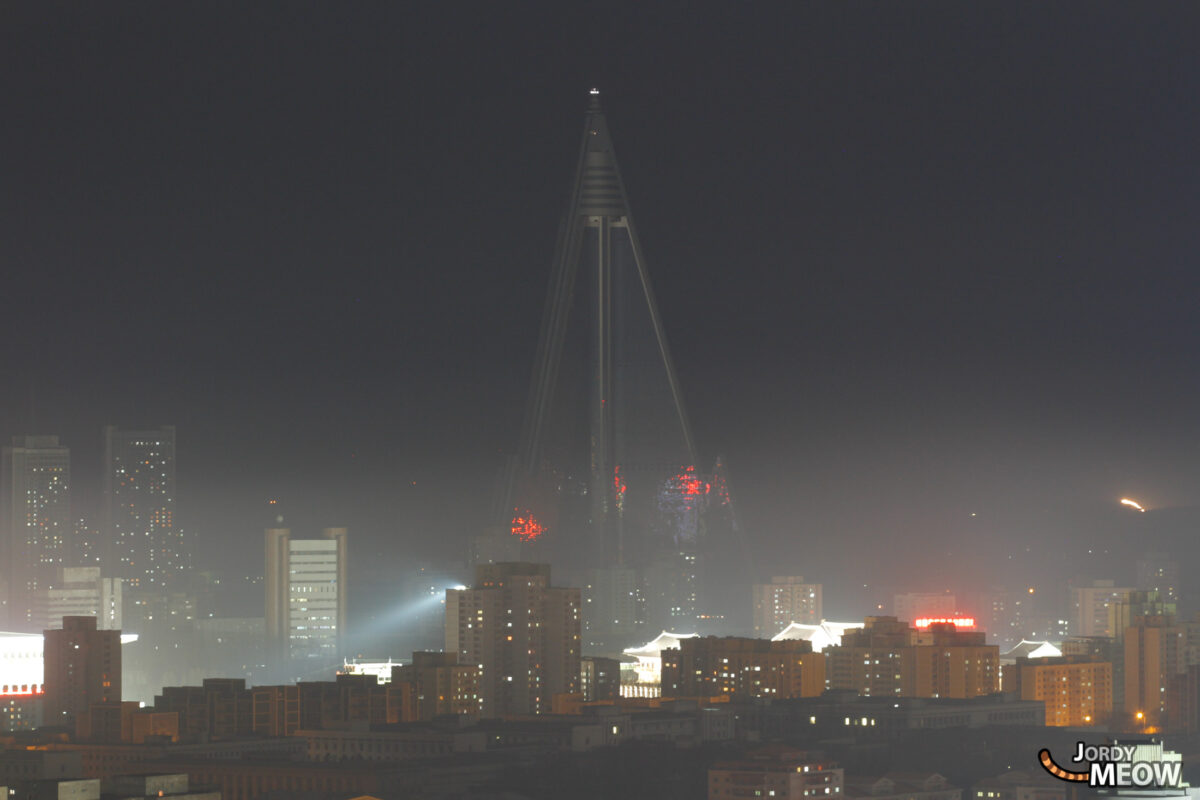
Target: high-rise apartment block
x=783 y=601
x=1158 y=572
x=1090 y=606
x=947 y=662
x=35 y=522
x=82 y=666
x=611 y=607
x=1123 y=614
x=146 y=544
x=711 y=666
x=306 y=591
x=1155 y=652
x=869 y=660
x=1077 y=690
x=1101 y=648
x=522 y=634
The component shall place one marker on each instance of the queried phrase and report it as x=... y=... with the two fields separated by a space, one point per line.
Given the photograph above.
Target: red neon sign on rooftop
x=958 y=622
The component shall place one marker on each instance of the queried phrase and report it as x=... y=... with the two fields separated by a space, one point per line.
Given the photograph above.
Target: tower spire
x=598 y=225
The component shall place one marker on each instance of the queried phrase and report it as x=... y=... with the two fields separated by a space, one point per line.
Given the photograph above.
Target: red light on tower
x=688 y=483
x=526 y=527
x=619 y=488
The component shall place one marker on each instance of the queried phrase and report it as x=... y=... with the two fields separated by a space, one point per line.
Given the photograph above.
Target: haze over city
x=914 y=264
x=926 y=272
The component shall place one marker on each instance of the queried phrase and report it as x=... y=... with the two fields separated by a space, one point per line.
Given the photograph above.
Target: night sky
x=916 y=261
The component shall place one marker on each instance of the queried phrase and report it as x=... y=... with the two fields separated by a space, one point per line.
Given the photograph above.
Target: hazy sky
x=916 y=260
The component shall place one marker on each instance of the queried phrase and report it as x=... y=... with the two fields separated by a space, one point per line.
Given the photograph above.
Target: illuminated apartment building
x=869 y=659
x=1155 y=651
x=1077 y=690
x=521 y=633
x=887 y=658
x=710 y=666
x=146 y=545
x=947 y=662
x=35 y=523
x=783 y=601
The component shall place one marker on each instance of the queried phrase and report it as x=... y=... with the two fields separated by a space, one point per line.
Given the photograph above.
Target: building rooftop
x=823 y=635
x=664 y=641
x=1027 y=649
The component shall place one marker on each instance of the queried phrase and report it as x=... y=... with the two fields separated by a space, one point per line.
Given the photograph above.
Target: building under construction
x=607 y=482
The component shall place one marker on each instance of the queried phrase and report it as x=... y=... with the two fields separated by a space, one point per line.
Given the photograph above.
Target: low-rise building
x=125 y=722
x=392 y=744
x=224 y=708
x=902 y=786
x=154 y=785
x=1022 y=785
x=841 y=714
x=778 y=773
x=738 y=667
x=439 y=685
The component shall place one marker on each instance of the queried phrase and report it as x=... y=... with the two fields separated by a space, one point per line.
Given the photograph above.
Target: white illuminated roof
x=821 y=636
x=1027 y=649
x=382 y=670
x=664 y=641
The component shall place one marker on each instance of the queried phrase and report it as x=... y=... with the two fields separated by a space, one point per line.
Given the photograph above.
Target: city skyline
x=819 y=417
x=942 y=307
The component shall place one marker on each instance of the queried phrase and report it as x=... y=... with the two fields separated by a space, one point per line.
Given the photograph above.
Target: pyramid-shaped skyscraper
x=607 y=482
